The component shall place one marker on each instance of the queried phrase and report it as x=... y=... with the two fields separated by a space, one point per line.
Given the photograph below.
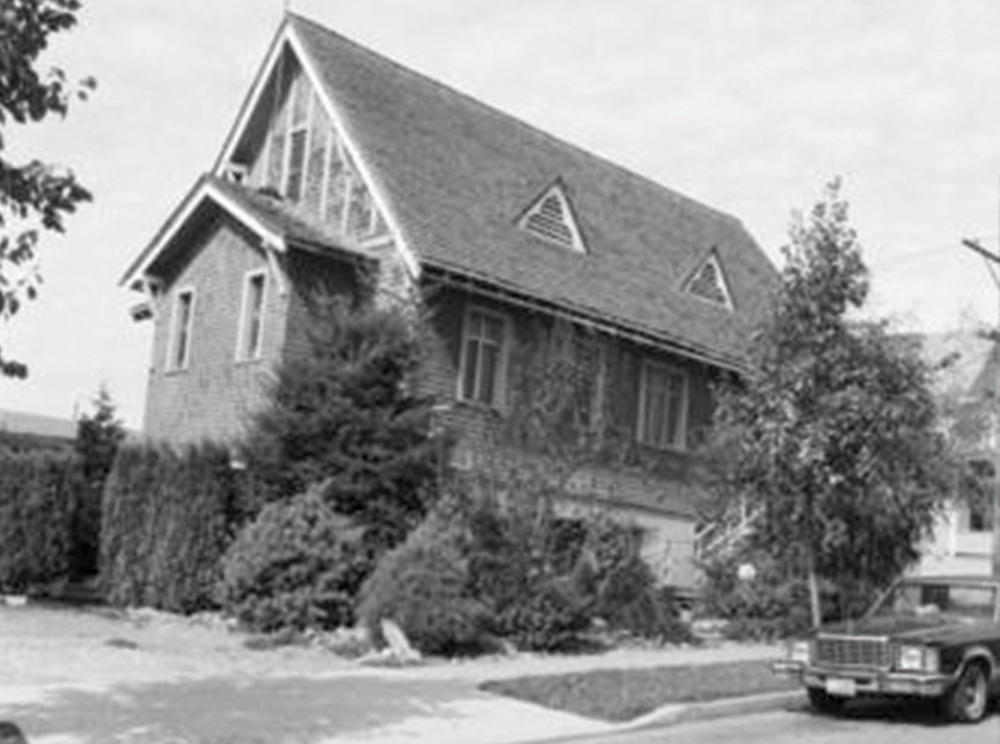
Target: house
x=962 y=540
x=343 y=165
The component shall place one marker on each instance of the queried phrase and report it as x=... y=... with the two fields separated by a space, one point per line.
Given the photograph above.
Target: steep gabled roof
x=457 y=174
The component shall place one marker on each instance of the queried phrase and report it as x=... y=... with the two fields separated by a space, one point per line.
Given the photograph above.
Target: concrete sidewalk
x=437 y=701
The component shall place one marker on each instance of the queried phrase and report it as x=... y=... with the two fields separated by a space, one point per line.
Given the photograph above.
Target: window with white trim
x=179 y=349
x=663 y=398
x=483 y=358
x=298 y=137
x=251 y=333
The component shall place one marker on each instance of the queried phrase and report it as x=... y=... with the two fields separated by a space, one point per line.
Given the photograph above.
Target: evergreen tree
x=343 y=416
x=98 y=437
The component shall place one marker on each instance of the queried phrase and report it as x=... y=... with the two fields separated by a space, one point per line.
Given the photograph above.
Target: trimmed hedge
x=38 y=493
x=167 y=518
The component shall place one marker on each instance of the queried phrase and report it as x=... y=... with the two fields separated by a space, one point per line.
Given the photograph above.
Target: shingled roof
x=458 y=174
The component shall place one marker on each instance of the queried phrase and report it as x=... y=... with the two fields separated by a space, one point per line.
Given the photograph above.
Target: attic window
x=709 y=283
x=551 y=219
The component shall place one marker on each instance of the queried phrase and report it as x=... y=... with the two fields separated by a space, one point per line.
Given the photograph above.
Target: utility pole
x=992 y=263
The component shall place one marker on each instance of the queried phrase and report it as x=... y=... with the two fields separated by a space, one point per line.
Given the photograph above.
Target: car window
x=972 y=601
x=923 y=599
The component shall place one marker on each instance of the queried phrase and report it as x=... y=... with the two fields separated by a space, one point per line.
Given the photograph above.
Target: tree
x=33 y=195
x=98 y=437
x=832 y=428
x=345 y=414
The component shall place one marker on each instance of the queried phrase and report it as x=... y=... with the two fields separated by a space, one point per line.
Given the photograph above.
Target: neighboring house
x=962 y=542
x=343 y=166
x=31 y=432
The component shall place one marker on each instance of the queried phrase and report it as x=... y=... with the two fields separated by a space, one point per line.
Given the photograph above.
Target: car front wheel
x=824 y=702
x=967 y=700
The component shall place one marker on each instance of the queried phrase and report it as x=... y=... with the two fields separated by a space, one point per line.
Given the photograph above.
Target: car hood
x=937 y=627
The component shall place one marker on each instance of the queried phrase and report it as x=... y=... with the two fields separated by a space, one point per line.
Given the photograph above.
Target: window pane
x=296 y=164
x=675 y=409
x=664 y=398
x=255 y=316
x=337 y=182
x=183 y=330
x=471 y=367
x=490 y=356
x=300 y=99
x=360 y=210
x=493 y=329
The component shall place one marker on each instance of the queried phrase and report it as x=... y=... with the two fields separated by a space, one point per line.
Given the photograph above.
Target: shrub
x=628 y=598
x=293 y=568
x=167 y=518
x=423 y=586
x=771 y=605
x=36 y=491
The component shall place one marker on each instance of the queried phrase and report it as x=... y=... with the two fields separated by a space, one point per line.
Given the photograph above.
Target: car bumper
x=850 y=682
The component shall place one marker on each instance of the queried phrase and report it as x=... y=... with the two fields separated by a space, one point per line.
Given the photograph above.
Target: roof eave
x=204 y=190
x=617 y=326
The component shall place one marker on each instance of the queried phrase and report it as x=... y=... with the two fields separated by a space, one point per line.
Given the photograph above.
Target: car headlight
x=800 y=651
x=918 y=659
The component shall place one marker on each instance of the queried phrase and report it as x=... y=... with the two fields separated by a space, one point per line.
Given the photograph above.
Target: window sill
x=475 y=405
x=666 y=449
x=174 y=371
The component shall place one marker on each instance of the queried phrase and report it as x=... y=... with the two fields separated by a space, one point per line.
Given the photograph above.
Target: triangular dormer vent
x=709 y=283
x=551 y=219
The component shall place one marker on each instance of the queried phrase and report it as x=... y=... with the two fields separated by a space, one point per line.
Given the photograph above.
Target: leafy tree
x=34 y=194
x=344 y=414
x=833 y=428
x=98 y=437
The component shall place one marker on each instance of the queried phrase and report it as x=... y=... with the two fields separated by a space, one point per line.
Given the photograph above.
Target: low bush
x=771 y=605
x=37 y=491
x=629 y=599
x=167 y=517
x=293 y=568
x=423 y=586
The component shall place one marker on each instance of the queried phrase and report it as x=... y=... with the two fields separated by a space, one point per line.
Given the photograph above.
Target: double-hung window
x=663 y=407
x=179 y=348
x=483 y=358
x=251 y=328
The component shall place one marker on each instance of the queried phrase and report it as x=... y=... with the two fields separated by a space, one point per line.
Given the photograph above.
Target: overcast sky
x=747 y=105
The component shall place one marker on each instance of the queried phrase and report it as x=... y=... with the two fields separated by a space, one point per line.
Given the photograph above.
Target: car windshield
x=920 y=599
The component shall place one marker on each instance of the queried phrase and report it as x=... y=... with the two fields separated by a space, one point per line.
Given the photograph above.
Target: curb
x=680 y=713
x=725 y=708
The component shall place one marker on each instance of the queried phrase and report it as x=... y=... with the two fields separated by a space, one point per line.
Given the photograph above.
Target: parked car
x=929 y=637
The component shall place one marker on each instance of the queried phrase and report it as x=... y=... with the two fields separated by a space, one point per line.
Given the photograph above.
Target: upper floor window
x=663 y=407
x=298 y=137
x=179 y=350
x=252 y=317
x=483 y=358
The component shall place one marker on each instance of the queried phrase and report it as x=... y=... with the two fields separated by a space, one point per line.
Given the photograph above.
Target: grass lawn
x=624 y=694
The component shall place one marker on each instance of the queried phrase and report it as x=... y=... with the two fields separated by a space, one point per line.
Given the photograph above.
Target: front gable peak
x=292 y=139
